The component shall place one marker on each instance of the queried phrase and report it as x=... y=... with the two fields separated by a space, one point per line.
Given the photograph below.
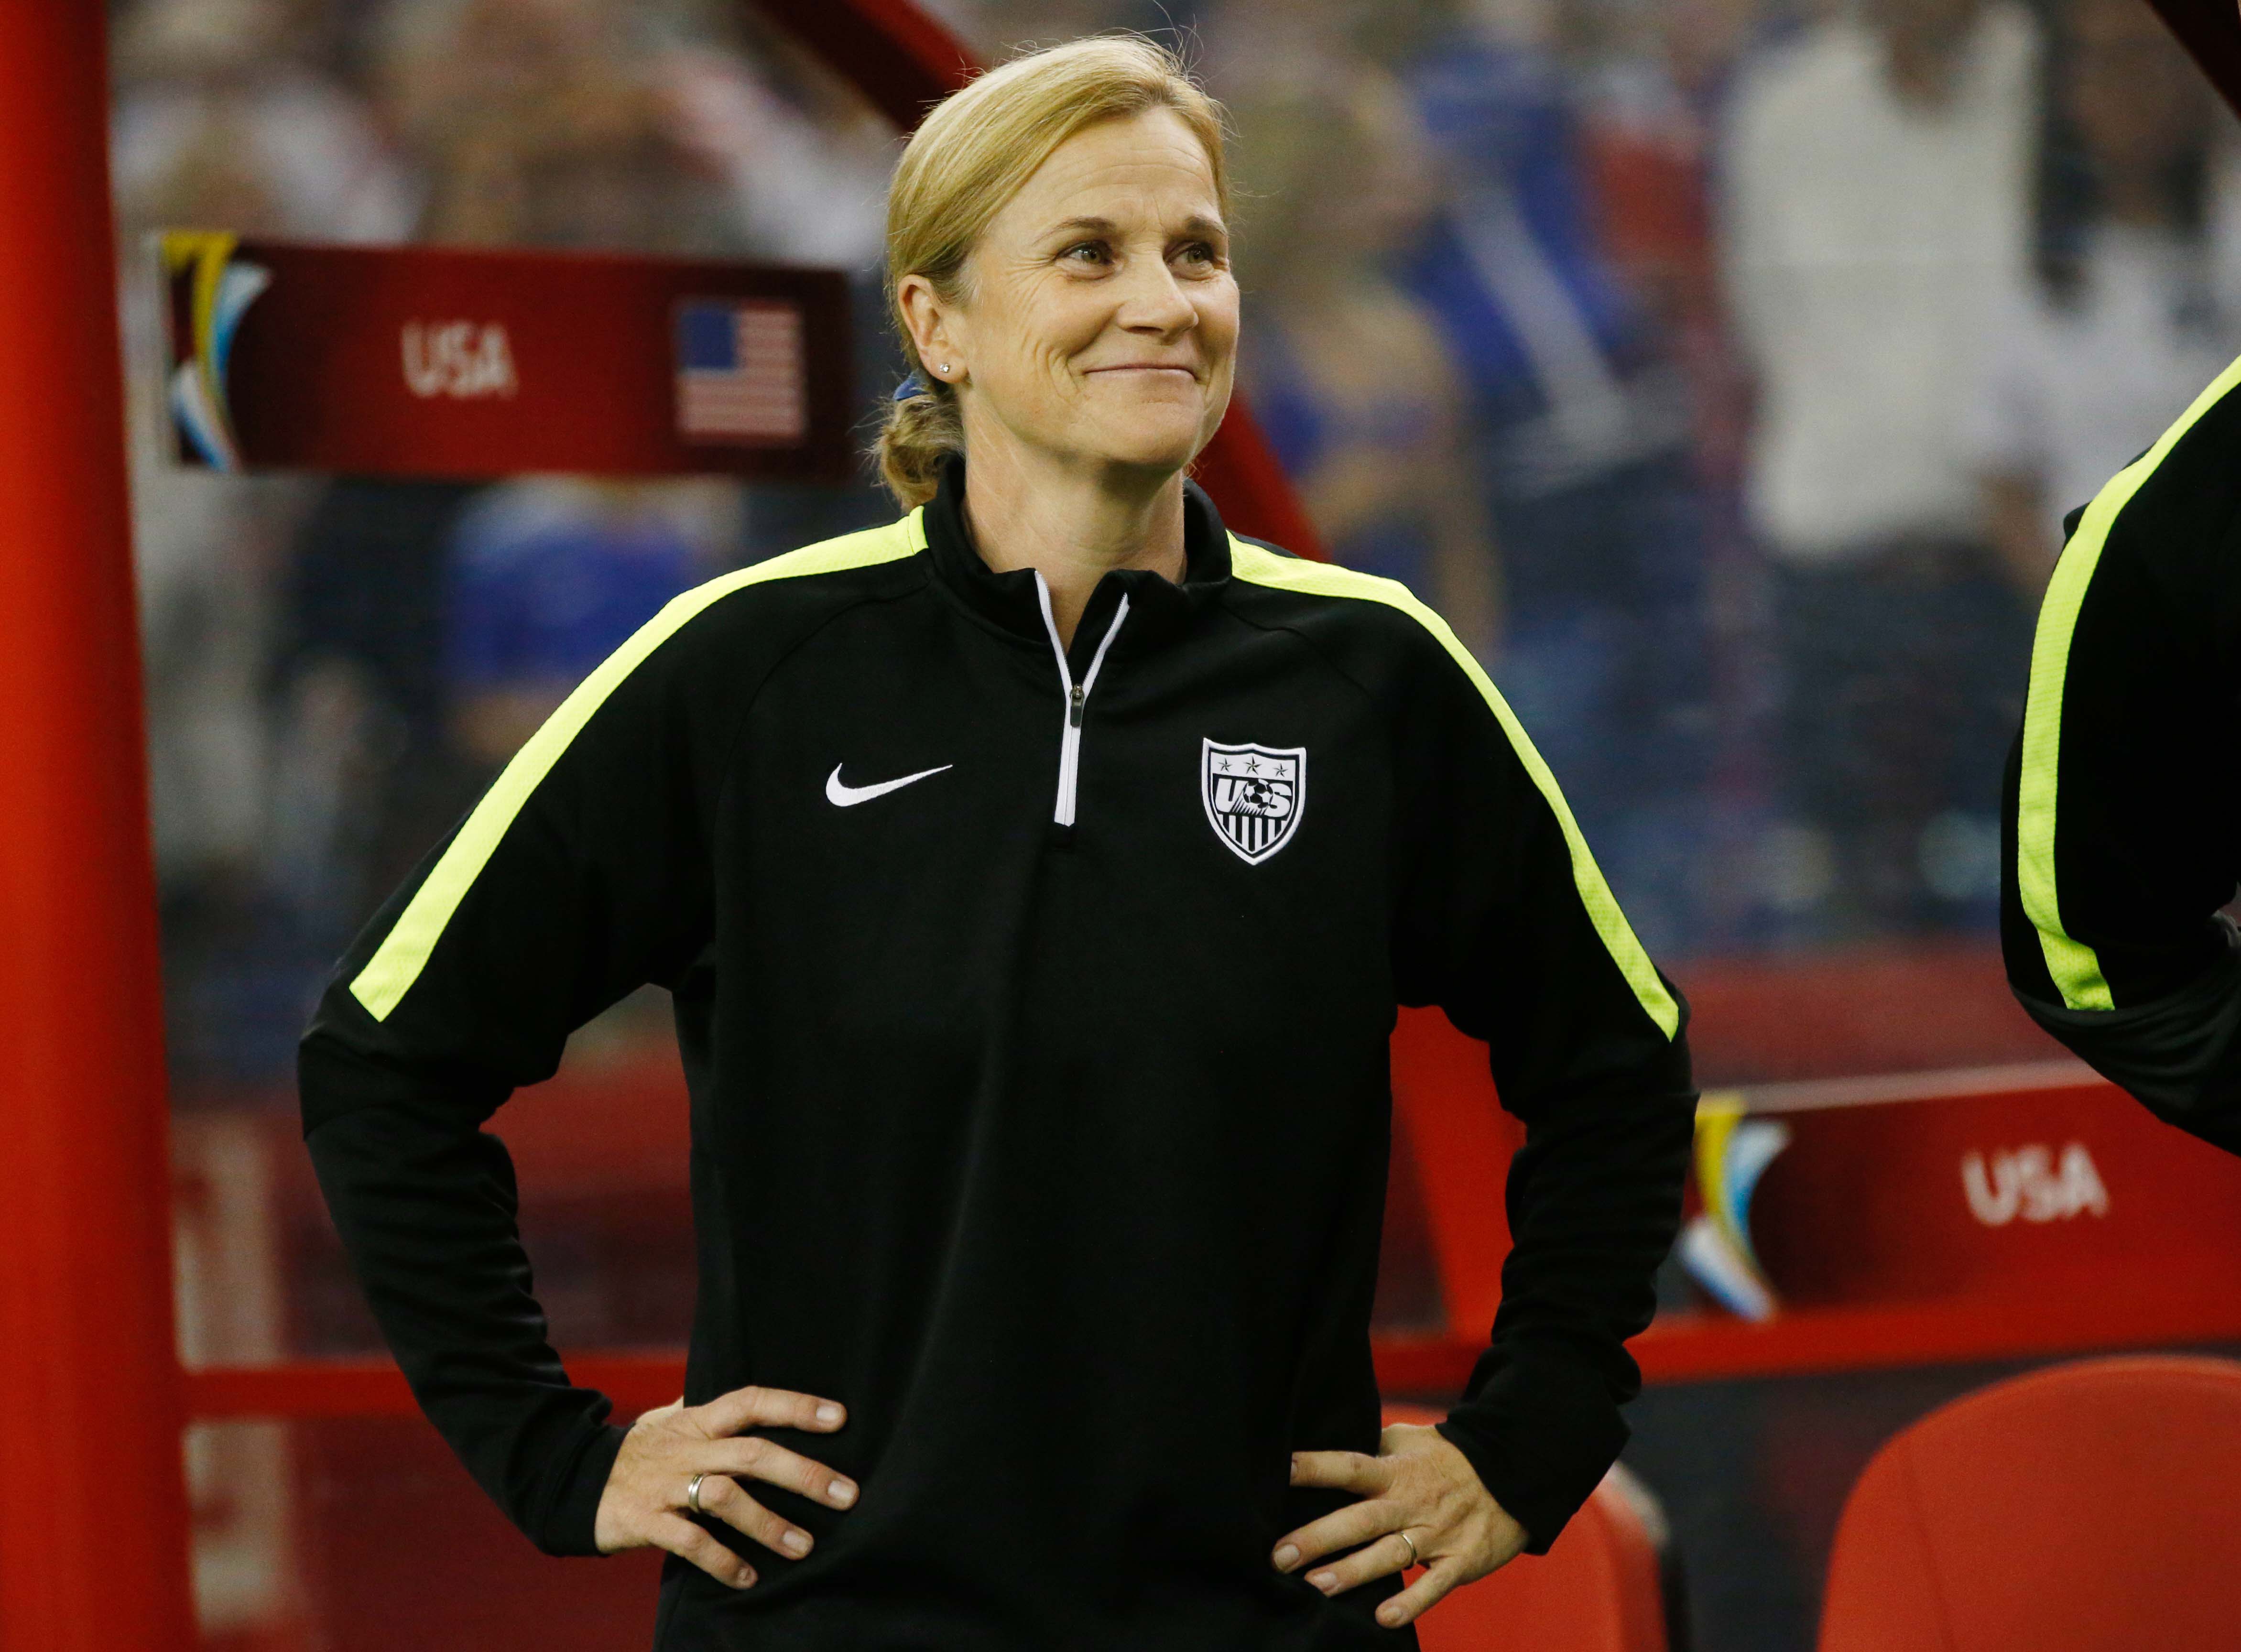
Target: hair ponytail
x=923 y=427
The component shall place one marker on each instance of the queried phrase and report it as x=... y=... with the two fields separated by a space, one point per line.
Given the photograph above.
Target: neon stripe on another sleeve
x=2075 y=967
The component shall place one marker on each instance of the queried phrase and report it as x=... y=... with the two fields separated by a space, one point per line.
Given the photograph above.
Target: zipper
x=1077 y=696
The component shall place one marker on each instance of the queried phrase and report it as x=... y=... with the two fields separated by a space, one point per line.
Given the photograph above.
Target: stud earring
x=943 y=369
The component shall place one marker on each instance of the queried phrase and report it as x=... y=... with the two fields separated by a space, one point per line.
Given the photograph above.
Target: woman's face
x=1099 y=317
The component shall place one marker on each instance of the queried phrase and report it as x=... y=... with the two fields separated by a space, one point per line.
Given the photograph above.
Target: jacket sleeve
x=2121 y=790
x=581 y=875
x=1505 y=922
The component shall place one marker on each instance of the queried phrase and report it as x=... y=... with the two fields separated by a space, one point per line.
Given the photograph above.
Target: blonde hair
x=971 y=155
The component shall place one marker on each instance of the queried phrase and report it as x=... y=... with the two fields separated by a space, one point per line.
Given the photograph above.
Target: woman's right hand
x=647 y=1489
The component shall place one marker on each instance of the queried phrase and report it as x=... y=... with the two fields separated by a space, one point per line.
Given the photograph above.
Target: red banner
x=417 y=361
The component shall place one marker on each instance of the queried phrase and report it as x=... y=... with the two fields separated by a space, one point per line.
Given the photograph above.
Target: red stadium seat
x=2084 y=1509
x=1597 y=1590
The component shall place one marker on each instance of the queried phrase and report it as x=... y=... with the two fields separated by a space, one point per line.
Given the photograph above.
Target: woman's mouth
x=1146 y=367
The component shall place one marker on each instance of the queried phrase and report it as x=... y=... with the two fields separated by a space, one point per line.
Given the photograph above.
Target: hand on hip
x=1422 y=1504
x=695 y=1457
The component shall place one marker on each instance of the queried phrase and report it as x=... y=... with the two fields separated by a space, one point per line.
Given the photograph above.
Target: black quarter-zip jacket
x=1034 y=1006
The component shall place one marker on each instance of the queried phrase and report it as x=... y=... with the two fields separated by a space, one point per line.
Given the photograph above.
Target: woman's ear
x=934 y=328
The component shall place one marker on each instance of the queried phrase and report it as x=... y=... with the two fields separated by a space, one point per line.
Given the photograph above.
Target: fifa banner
x=433 y=361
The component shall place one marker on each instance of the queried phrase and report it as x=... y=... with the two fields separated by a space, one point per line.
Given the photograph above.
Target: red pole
x=93 y=1511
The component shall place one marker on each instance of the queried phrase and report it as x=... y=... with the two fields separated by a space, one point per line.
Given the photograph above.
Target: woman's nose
x=1154 y=302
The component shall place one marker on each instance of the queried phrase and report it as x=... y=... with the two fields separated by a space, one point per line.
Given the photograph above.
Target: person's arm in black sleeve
x=2122 y=790
x=1507 y=924
x=581 y=875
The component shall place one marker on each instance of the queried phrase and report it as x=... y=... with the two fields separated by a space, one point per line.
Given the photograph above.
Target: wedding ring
x=1403 y=1537
x=692 y=1500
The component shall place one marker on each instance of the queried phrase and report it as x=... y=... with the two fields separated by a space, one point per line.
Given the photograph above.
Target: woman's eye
x=1085 y=252
x=1199 y=253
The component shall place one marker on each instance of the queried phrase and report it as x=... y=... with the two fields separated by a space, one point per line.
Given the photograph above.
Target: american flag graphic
x=740 y=371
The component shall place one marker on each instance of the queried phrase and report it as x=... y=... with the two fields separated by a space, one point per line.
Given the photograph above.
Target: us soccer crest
x=1254 y=796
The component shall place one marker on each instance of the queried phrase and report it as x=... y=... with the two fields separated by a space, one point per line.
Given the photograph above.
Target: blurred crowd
x=1724 y=369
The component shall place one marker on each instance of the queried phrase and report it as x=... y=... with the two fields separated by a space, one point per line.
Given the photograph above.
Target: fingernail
x=1296 y=1469
x=828 y=1413
x=1286 y=1557
x=795 y=1542
x=1322 y=1580
x=747 y=1576
x=841 y=1492
x=1388 y=1615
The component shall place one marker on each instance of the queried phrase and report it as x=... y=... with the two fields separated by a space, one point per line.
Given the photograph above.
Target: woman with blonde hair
x=1036 y=880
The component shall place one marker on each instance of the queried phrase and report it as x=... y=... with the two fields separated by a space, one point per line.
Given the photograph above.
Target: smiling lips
x=1144 y=367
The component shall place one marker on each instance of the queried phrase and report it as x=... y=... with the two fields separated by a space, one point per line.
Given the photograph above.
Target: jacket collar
x=1008 y=600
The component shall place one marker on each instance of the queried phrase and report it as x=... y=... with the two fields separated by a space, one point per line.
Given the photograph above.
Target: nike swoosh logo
x=847 y=797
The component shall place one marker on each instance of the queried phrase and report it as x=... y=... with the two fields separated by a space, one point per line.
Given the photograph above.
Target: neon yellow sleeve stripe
x=404 y=951
x=2074 y=965
x=1259 y=567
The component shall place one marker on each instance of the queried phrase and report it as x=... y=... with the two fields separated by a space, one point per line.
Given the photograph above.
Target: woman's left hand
x=1419 y=1484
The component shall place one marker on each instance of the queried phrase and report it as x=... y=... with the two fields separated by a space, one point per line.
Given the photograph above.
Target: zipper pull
x=1074 y=707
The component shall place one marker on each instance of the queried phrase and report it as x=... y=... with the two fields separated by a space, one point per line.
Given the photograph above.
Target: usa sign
x=418 y=361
